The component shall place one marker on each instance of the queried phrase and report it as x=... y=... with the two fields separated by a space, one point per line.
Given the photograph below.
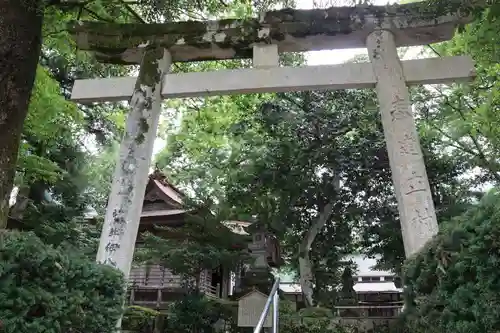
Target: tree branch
x=305 y=265
x=133 y=12
x=97 y=16
x=480 y=153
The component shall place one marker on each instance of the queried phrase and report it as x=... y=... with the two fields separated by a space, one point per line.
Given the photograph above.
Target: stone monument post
x=416 y=208
x=123 y=212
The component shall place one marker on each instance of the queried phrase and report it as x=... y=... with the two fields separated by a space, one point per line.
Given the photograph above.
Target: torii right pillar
x=416 y=208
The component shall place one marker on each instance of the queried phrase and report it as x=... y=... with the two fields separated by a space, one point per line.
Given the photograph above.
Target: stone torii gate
x=155 y=46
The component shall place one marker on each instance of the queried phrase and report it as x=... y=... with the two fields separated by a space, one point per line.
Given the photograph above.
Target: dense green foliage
x=460 y=118
x=278 y=158
x=310 y=320
x=202 y=243
x=274 y=158
x=44 y=289
x=453 y=283
x=196 y=313
x=139 y=319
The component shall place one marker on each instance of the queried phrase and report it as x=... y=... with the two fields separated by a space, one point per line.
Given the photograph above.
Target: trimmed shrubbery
x=44 y=289
x=453 y=284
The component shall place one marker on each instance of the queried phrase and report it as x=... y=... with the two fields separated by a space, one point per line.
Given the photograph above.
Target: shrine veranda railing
x=151 y=285
x=381 y=29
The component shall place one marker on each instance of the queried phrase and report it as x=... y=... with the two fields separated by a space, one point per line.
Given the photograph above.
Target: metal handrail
x=273 y=297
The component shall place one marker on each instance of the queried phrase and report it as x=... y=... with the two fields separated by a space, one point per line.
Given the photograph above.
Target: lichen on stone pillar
x=129 y=180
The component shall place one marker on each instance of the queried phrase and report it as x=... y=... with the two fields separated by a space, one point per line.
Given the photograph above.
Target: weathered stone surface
x=292 y=30
x=411 y=185
x=124 y=208
x=276 y=79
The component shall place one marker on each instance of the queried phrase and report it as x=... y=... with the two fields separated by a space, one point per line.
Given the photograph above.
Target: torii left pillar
x=121 y=224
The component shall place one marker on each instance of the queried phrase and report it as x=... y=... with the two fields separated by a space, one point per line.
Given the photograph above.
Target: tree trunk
x=20 y=43
x=305 y=265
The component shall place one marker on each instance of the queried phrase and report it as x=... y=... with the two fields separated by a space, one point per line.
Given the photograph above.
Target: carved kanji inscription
x=408 y=145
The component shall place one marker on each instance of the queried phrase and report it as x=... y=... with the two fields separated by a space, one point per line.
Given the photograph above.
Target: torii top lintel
x=292 y=30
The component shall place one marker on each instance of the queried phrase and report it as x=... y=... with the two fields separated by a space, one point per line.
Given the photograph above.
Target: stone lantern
x=257 y=274
x=259 y=250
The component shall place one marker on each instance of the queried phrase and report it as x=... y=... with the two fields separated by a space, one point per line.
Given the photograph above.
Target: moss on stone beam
x=292 y=30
